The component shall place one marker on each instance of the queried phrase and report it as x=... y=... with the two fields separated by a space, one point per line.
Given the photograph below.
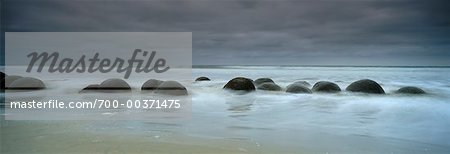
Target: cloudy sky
x=247 y=32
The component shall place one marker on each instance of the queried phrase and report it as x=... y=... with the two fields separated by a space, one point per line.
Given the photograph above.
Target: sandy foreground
x=75 y=137
x=68 y=137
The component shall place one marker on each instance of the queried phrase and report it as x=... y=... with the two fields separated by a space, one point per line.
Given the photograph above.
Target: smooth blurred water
x=422 y=118
x=342 y=122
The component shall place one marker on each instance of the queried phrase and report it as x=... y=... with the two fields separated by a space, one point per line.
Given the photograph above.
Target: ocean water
x=267 y=121
x=419 y=119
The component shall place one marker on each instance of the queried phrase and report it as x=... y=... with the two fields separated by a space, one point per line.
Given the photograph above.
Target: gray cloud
x=340 y=32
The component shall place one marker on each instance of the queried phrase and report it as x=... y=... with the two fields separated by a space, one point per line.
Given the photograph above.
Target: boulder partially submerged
x=171 y=88
x=151 y=84
x=109 y=85
x=92 y=87
x=26 y=83
x=304 y=83
x=260 y=81
x=10 y=79
x=202 y=79
x=115 y=84
x=410 y=90
x=297 y=88
x=240 y=83
x=269 y=86
x=365 y=86
x=326 y=86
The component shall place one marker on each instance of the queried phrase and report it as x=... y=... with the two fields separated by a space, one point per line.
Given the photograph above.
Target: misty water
x=264 y=121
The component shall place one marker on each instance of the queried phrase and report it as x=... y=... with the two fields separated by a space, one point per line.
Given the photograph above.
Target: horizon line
x=326 y=65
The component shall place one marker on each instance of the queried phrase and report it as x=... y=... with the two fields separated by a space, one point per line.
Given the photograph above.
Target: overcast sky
x=302 y=32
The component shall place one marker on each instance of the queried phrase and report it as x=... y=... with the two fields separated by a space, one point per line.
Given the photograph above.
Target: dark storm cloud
x=343 y=32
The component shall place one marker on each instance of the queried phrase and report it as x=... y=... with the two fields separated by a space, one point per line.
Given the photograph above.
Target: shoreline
x=48 y=137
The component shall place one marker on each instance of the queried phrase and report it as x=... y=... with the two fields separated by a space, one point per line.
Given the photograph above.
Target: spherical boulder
x=304 y=83
x=297 y=88
x=151 y=84
x=202 y=79
x=365 y=86
x=263 y=80
x=269 y=86
x=26 y=83
x=114 y=84
x=326 y=86
x=171 y=88
x=410 y=90
x=240 y=83
x=10 y=79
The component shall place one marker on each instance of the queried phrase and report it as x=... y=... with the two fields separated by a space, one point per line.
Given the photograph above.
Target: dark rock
x=240 y=83
x=263 y=80
x=298 y=88
x=326 y=86
x=2 y=77
x=151 y=84
x=269 y=86
x=109 y=85
x=304 y=83
x=366 y=86
x=26 y=83
x=171 y=88
x=10 y=79
x=202 y=79
x=410 y=90
x=114 y=84
x=92 y=87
